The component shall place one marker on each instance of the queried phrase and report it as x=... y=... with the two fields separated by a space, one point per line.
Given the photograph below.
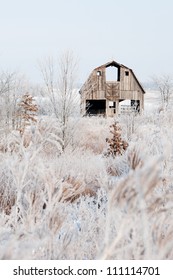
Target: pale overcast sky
x=136 y=33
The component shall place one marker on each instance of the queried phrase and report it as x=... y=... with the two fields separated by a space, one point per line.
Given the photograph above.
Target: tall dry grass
x=82 y=205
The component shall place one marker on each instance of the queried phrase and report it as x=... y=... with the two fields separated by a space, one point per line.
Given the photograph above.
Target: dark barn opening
x=96 y=107
x=136 y=105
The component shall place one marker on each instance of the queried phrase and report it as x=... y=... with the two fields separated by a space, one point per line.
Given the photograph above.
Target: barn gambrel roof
x=116 y=64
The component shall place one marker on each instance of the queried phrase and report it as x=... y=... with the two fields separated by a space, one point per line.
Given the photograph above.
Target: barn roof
x=110 y=63
x=116 y=64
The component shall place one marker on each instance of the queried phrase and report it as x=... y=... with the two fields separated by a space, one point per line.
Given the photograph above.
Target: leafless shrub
x=134 y=158
x=117 y=166
x=93 y=132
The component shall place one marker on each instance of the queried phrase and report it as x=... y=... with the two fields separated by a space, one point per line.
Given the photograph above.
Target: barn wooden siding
x=125 y=87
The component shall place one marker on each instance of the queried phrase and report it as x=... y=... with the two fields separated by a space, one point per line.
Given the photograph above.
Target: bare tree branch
x=60 y=83
x=165 y=86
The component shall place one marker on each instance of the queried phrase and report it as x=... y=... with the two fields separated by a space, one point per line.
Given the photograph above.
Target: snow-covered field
x=80 y=204
x=152 y=100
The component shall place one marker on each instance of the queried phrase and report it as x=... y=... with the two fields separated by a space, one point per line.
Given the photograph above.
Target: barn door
x=112 y=89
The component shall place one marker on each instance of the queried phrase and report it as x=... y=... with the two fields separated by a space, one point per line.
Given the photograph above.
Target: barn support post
x=107 y=108
x=117 y=107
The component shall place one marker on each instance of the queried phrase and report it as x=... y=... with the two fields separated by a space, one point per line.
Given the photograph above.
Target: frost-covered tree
x=165 y=86
x=28 y=111
x=60 y=84
x=12 y=86
x=116 y=144
x=7 y=81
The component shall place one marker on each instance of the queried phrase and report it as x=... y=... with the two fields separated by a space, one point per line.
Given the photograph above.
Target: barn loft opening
x=112 y=73
x=96 y=107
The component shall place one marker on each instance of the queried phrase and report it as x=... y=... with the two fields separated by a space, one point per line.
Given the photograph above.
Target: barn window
x=111 y=104
x=127 y=73
x=135 y=104
x=99 y=73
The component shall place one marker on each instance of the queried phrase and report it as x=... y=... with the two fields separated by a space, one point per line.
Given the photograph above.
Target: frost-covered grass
x=80 y=204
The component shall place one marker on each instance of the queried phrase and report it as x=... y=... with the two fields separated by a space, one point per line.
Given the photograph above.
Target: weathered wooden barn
x=111 y=89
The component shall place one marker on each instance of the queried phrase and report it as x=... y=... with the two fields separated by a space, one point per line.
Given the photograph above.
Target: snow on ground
x=81 y=204
x=151 y=100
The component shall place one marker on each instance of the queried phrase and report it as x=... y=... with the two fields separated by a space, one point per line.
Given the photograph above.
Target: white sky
x=136 y=33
